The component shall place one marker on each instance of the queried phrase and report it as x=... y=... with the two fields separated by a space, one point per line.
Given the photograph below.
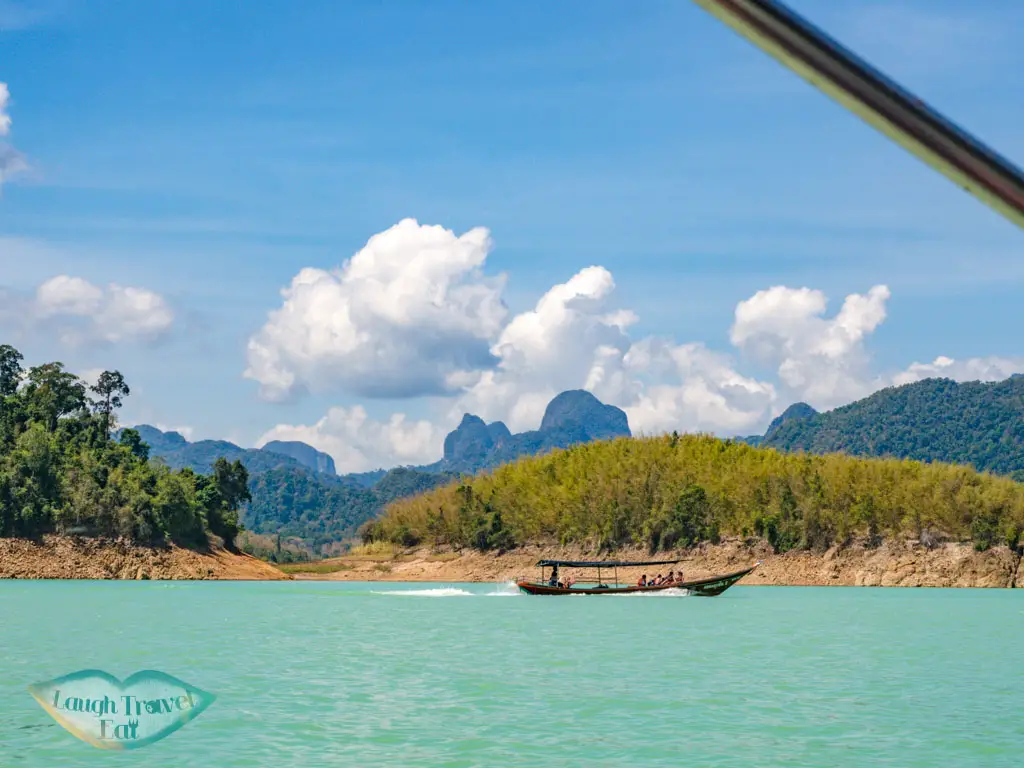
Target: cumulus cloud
x=12 y=162
x=407 y=315
x=971 y=369
x=412 y=314
x=79 y=311
x=698 y=390
x=572 y=337
x=818 y=359
x=576 y=338
x=358 y=443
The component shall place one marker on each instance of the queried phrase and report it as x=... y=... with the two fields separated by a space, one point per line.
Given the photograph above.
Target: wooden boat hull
x=708 y=587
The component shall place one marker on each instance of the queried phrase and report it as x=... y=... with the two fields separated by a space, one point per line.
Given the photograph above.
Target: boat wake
x=671 y=592
x=436 y=592
x=506 y=589
x=503 y=589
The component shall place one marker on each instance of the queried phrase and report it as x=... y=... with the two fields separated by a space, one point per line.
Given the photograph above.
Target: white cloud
x=12 y=162
x=80 y=312
x=403 y=317
x=571 y=337
x=112 y=313
x=358 y=443
x=819 y=360
x=91 y=376
x=5 y=119
x=576 y=338
x=398 y=291
x=700 y=391
x=185 y=432
x=972 y=369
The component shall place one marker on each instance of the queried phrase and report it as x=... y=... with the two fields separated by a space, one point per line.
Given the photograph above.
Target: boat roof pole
x=806 y=50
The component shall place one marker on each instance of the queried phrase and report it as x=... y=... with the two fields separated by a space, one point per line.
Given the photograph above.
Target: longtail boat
x=709 y=586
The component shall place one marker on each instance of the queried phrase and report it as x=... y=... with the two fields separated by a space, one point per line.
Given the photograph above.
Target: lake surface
x=352 y=674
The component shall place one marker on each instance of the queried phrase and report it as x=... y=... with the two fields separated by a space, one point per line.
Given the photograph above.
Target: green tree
x=109 y=390
x=60 y=472
x=132 y=440
x=52 y=392
x=10 y=370
x=222 y=495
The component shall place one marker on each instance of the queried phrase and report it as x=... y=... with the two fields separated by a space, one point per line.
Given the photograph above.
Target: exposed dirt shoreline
x=893 y=564
x=66 y=557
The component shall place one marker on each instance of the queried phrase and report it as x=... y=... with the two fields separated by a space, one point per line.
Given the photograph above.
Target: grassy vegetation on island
x=62 y=472
x=676 y=491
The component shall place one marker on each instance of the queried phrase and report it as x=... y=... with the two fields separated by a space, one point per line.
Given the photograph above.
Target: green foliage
x=10 y=369
x=60 y=472
x=680 y=490
x=974 y=423
x=319 y=509
x=110 y=390
x=406 y=481
x=132 y=440
x=985 y=529
x=276 y=549
x=322 y=509
x=222 y=496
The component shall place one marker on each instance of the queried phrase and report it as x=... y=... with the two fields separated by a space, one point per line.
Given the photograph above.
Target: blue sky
x=208 y=152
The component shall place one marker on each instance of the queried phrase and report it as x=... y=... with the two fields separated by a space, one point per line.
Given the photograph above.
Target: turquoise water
x=351 y=674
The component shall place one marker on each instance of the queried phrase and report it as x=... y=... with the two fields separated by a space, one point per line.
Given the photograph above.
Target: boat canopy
x=605 y=563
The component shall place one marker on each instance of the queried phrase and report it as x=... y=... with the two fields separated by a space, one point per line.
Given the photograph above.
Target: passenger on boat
x=658 y=581
x=670 y=579
x=569 y=582
x=643 y=581
x=553 y=582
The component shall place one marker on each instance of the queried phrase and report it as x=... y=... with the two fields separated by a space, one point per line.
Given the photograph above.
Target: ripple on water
x=759 y=676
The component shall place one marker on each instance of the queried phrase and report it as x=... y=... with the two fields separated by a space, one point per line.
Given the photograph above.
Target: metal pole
x=879 y=101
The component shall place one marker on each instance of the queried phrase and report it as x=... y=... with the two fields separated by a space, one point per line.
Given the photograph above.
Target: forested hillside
x=975 y=423
x=319 y=510
x=676 y=491
x=61 y=470
x=290 y=498
x=179 y=453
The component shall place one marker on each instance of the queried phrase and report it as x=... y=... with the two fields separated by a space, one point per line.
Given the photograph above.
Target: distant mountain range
x=572 y=417
x=296 y=492
x=306 y=455
x=976 y=423
x=178 y=452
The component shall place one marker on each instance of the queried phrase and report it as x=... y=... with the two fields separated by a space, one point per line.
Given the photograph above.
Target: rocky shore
x=893 y=564
x=66 y=557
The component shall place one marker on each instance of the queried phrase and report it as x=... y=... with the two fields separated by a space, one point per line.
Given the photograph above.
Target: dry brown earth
x=903 y=564
x=64 y=557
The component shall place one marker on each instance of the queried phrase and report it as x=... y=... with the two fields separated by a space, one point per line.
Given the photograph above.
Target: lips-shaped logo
x=110 y=714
